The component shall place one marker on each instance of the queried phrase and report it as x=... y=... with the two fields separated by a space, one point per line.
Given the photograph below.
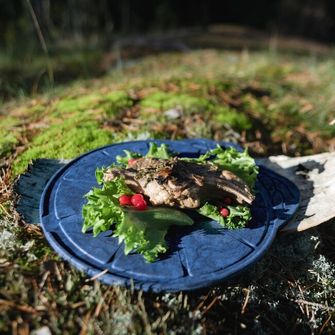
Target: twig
x=314 y=304
x=42 y=41
x=245 y=303
x=21 y=308
x=77 y=304
x=44 y=278
x=100 y=274
x=306 y=306
x=325 y=324
x=209 y=306
x=202 y=302
x=99 y=305
x=144 y=314
x=4 y=210
x=85 y=324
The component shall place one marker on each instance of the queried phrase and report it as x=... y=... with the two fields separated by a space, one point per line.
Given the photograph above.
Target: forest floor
x=272 y=103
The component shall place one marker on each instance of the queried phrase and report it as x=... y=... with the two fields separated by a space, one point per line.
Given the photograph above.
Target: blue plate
x=201 y=255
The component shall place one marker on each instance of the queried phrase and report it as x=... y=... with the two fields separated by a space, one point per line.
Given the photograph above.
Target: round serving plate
x=200 y=255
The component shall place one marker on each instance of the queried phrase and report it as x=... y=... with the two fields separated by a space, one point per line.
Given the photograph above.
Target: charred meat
x=179 y=183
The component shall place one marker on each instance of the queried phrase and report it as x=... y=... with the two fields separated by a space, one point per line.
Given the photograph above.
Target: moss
x=80 y=132
x=233 y=118
x=68 y=140
x=116 y=101
x=7 y=142
x=165 y=100
x=110 y=103
x=73 y=104
x=223 y=85
x=35 y=112
x=287 y=111
x=188 y=104
x=8 y=122
x=254 y=106
x=273 y=71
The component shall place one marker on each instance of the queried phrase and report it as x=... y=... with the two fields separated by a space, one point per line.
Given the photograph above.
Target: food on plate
x=141 y=197
x=178 y=183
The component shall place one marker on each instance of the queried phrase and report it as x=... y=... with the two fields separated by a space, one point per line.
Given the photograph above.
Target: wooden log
x=314 y=175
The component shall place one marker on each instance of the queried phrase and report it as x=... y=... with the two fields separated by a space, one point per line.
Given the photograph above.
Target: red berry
x=125 y=200
x=227 y=201
x=141 y=206
x=136 y=198
x=139 y=202
x=224 y=212
x=132 y=161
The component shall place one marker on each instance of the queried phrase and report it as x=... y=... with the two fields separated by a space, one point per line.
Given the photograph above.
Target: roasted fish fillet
x=179 y=183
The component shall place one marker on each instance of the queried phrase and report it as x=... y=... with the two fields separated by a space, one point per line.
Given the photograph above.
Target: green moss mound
x=67 y=140
x=163 y=101
x=109 y=103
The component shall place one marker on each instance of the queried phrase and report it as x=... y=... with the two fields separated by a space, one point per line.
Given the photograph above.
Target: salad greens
x=154 y=151
x=102 y=209
x=145 y=231
x=123 y=160
x=240 y=163
x=238 y=215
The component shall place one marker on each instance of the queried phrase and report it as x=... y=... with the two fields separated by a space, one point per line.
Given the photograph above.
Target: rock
x=42 y=331
x=174 y=113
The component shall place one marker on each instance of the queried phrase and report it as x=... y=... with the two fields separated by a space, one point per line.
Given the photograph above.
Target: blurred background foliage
x=83 y=19
x=88 y=38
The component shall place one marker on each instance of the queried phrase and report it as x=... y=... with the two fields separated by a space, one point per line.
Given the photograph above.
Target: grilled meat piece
x=179 y=183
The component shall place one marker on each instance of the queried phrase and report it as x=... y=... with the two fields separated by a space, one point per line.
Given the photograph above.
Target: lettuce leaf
x=102 y=209
x=144 y=231
x=154 y=151
x=123 y=160
x=240 y=163
x=238 y=216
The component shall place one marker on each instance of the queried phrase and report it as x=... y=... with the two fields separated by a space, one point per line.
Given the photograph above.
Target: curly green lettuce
x=154 y=151
x=240 y=163
x=237 y=218
x=102 y=209
x=123 y=160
